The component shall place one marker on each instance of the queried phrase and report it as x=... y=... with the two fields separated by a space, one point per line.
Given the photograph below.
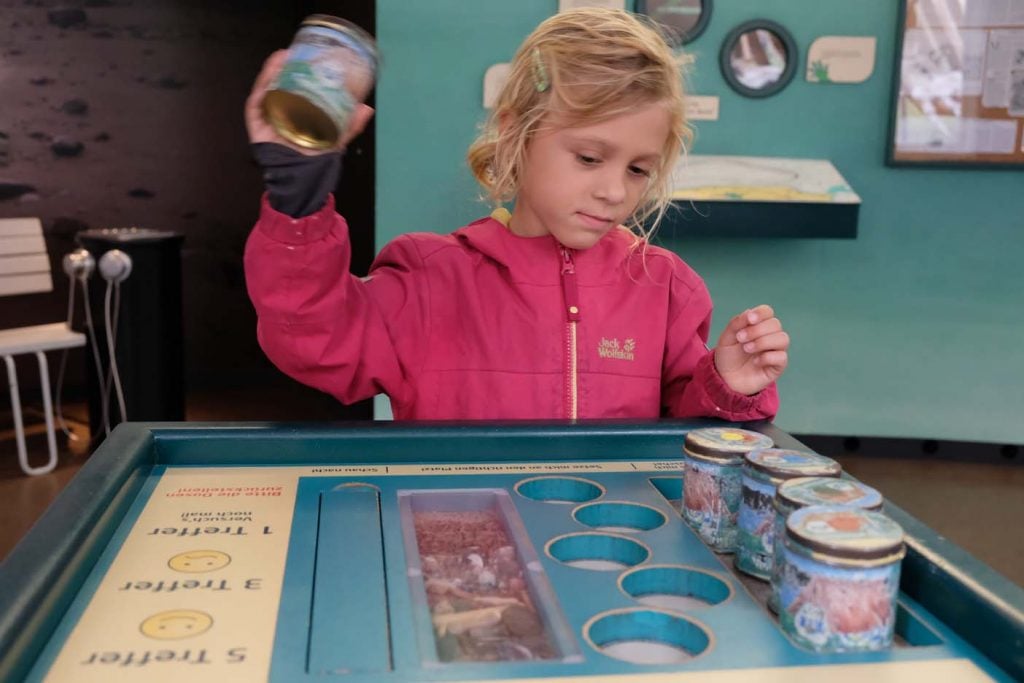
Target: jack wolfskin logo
x=610 y=348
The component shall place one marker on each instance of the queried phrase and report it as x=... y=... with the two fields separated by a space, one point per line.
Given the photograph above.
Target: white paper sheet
x=1005 y=53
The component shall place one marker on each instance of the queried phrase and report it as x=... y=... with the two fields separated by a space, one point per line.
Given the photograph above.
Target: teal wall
x=914 y=329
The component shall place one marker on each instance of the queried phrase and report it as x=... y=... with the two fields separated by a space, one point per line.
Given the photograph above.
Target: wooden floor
x=976 y=505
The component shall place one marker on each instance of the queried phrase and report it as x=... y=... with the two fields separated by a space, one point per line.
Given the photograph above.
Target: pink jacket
x=483 y=324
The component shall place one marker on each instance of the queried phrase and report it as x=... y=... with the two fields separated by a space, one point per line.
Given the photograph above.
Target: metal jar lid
x=797 y=493
x=727 y=444
x=845 y=535
x=783 y=463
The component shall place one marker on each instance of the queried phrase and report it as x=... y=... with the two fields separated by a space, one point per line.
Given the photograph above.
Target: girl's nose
x=611 y=187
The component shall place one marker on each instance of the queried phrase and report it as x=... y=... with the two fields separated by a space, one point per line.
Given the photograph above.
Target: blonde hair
x=584 y=66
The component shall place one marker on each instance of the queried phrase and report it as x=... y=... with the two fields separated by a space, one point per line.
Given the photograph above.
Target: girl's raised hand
x=752 y=351
x=260 y=129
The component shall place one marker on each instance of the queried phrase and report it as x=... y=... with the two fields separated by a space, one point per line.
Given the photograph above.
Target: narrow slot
x=671 y=489
x=911 y=631
x=349 y=631
x=480 y=592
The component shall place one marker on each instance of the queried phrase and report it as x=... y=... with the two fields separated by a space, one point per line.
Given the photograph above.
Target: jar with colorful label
x=794 y=494
x=713 y=461
x=840 y=577
x=763 y=470
x=331 y=68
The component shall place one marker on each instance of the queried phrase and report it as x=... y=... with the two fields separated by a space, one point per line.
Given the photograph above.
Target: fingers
x=749 y=317
x=775 y=341
x=773 y=359
x=752 y=332
x=254 y=103
x=270 y=69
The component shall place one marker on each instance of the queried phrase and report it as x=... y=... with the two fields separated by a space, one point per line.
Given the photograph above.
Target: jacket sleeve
x=320 y=324
x=691 y=385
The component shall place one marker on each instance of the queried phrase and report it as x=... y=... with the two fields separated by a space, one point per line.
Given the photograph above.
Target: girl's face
x=579 y=183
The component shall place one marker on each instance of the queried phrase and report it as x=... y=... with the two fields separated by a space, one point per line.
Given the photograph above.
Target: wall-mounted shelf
x=736 y=196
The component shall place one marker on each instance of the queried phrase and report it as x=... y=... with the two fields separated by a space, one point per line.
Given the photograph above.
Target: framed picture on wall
x=958 y=84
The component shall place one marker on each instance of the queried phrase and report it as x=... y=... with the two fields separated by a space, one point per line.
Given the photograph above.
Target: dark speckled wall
x=117 y=113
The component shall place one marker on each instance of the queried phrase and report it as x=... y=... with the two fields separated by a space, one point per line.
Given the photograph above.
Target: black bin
x=149 y=338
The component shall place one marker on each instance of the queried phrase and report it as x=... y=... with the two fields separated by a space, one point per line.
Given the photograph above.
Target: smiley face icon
x=176 y=624
x=198 y=561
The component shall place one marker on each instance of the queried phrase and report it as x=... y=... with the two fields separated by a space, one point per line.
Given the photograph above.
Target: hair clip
x=540 y=72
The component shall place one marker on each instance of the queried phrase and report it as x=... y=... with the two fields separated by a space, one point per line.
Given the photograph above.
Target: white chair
x=25 y=269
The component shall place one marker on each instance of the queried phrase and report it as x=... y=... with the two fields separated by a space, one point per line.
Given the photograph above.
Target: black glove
x=297 y=184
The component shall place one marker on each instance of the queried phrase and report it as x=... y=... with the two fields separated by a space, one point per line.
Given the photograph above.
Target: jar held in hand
x=331 y=68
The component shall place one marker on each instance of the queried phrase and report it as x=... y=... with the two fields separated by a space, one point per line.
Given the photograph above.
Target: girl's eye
x=636 y=170
x=586 y=160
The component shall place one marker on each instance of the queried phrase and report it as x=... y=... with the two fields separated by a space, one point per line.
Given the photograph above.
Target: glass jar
x=712 y=462
x=840 y=578
x=763 y=470
x=794 y=494
x=331 y=68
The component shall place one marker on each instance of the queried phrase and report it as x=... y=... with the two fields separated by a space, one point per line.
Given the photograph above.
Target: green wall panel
x=913 y=329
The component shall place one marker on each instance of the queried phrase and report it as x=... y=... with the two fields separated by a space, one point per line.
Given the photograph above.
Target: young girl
x=555 y=310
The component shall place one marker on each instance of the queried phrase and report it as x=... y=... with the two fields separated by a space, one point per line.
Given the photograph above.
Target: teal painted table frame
x=44 y=573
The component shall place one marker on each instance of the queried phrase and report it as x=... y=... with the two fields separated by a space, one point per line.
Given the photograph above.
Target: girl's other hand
x=259 y=128
x=752 y=351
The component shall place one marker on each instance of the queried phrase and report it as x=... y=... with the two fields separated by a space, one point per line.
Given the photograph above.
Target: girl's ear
x=504 y=120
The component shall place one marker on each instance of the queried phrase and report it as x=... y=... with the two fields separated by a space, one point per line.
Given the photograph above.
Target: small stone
x=141 y=193
x=520 y=621
x=448 y=649
x=463 y=605
x=66 y=17
x=75 y=107
x=64 y=147
x=42 y=80
x=486 y=578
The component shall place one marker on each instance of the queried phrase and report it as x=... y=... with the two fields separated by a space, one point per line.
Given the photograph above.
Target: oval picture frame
x=653 y=9
x=733 y=37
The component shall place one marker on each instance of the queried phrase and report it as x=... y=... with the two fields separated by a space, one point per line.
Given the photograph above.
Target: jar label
x=756 y=535
x=711 y=502
x=837 y=609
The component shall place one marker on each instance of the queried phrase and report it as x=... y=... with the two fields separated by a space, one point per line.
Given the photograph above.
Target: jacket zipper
x=572 y=309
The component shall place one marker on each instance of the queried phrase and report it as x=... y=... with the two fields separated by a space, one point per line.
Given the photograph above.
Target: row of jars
x=833 y=559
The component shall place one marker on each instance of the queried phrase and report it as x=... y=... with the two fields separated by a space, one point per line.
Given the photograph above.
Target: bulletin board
x=958 y=84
